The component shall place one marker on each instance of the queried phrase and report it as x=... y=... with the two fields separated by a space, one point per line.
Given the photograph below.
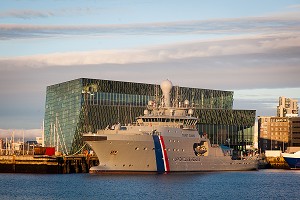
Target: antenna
x=156 y=93
x=177 y=101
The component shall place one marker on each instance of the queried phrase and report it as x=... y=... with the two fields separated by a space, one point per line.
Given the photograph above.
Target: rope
x=79 y=150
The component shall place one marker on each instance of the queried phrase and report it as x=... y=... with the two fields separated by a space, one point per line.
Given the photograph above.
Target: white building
x=287 y=107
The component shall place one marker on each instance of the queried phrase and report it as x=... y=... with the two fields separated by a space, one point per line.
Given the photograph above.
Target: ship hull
x=159 y=154
x=292 y=160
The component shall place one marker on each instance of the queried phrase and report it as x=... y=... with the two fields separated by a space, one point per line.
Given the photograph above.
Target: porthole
x=145 y=148
x=136 y=148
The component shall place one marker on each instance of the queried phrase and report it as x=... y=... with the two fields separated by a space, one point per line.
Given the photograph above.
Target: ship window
x=136 y=148
x=174 y=149
x=145 y=148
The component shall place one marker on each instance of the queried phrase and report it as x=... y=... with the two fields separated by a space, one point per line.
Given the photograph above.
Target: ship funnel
x=166 y=87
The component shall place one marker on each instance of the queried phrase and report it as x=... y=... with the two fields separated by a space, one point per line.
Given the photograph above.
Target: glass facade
x=84 y=105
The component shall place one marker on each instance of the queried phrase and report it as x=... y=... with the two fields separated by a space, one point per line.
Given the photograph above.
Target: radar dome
x=146 y=112
x=186 y=102
x=166 y=87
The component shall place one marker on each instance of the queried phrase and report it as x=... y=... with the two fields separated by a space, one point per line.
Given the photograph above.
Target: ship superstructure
x=164 y=139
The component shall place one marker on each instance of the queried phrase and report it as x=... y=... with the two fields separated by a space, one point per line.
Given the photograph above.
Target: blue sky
x=249 y=47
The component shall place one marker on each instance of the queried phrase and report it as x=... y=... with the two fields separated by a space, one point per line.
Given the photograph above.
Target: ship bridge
x=177 y=122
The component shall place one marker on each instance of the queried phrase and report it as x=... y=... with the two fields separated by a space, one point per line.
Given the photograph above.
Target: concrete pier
x=47 y=164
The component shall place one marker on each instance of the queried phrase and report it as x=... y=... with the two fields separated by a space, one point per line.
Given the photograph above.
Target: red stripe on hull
x=165 y=155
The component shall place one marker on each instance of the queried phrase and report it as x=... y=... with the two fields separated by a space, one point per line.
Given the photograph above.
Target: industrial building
x=86 y=105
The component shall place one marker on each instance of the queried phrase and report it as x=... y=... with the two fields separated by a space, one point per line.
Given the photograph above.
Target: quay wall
x=47 y=164
x=81 y=164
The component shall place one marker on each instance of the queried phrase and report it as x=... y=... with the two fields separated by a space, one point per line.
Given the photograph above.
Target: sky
x=249 y=47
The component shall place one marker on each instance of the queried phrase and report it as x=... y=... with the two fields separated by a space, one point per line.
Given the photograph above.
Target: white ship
x=163 y=140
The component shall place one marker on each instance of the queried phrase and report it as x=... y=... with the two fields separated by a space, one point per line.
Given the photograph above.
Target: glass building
x=86 y=105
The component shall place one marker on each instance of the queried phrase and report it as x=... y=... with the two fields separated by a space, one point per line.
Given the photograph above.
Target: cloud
x=25 y=14
x=267 y=24
x=30 y=14
x=266 y=107
x=261 y=44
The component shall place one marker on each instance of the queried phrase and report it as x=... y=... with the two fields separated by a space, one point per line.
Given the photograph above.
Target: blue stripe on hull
x=293 y=162
x=158 y=154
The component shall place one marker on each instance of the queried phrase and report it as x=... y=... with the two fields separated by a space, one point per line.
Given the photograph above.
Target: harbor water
x=262 y=184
